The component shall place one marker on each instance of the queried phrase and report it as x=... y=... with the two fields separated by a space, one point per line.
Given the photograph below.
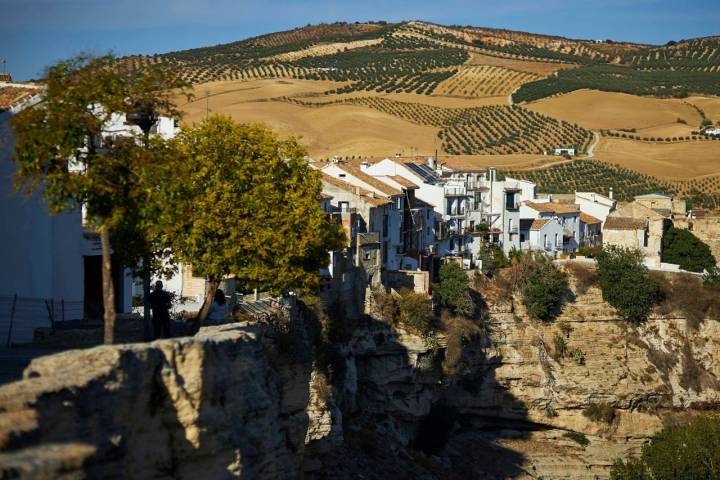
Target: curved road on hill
x=591 y=149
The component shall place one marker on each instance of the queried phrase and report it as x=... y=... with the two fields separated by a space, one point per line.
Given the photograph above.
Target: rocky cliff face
x=208 y=406
x=492 y=401
x=512 y=406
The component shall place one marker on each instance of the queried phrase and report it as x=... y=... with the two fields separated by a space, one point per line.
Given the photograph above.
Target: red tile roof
x=589 y=219
x=625 y=223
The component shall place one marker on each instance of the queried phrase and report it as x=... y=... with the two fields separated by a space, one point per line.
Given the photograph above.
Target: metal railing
x=21 y=316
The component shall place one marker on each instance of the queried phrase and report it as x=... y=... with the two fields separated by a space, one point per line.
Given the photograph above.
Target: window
x=399 y=203
x=646 y=239
x=385 y=252
x=522 y=237
x=344 y=206
x=385 y=227
x=341 y=175
x=510 y=201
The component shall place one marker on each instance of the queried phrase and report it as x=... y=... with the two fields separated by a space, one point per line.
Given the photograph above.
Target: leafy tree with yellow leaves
x=245 y=203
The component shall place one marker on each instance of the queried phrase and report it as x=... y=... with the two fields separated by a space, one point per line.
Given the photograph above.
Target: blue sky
x=37 y=33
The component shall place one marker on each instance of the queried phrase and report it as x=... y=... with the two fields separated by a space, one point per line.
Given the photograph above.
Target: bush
x=626 y=284
x=600 y=412
x=589 y=252
x=414 y=312
x=712 y=277
x=691 y=451
x=453 y=290
x=578 y=438
x=543 y=287
x=683 y=248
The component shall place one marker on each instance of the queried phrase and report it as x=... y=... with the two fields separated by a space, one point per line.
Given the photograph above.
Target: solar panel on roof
x=425 y=172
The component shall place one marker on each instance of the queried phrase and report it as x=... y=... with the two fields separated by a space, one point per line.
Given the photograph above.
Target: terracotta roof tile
x=589 y=219
x=370 y=180
x=624 y=223
x=552 y=207
x=403 y=181
x=367 y=196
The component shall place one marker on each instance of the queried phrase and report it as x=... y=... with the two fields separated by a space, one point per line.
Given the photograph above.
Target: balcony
x=513 y=230
x=455 y=191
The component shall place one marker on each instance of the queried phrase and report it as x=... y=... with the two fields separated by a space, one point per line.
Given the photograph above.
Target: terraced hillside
x=374 y=89
x=590 y=175
x=494 y=130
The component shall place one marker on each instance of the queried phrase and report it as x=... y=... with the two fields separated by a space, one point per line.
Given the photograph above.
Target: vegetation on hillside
x=453 y=290
x=614 y=78
x=489 y=130
x=687 y=452
x=626 y=284
x=542 y=285
x=683 y=248
x=590 y=175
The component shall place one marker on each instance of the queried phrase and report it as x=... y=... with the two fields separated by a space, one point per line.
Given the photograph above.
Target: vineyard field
x=592 y=175
x=480 y=81
x=613 y=78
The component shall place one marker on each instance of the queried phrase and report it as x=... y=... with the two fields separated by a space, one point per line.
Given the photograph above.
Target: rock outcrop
x=496 y=400
x=207 y=406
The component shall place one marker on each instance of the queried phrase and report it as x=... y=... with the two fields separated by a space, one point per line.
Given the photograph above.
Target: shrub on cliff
x=600 y=412
x=683 y=248
x=542 y=286
x=687 y=452
x=453 y=290
x=625 y=282
x=414 y=312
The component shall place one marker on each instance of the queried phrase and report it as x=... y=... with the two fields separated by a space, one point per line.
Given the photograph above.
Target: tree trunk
x=108 y=291
x=147 y=328
x=212 y=286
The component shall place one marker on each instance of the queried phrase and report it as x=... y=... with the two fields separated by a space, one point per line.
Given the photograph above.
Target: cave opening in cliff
x=434 y=429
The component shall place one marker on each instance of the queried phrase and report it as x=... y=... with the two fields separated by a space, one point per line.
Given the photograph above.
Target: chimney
x=610 y=195
x=549 y=197
x=493 y=174
x=431 y=163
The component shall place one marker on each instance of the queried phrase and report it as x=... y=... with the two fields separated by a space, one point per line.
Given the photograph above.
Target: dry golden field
x=540 y=68
x=484 y=80
x=324 y=49
x=357 y=129
x=607 y=111
x=326 y=131
x=710 y=105
x=669 y=130
x=668 y=161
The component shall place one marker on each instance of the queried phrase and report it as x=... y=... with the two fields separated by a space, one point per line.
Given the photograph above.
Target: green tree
x=688 y=452
x=541 y=284
x=67 y=129
x=625 y=282
x=414 y=311
x=246 y=204
x=683 y=248
x=453 y=290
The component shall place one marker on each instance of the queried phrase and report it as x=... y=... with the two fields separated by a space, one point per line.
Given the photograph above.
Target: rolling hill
x=376 y=89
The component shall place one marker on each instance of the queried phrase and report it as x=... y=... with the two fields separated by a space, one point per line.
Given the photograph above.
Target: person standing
x=160 y=302
x=218 y=308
